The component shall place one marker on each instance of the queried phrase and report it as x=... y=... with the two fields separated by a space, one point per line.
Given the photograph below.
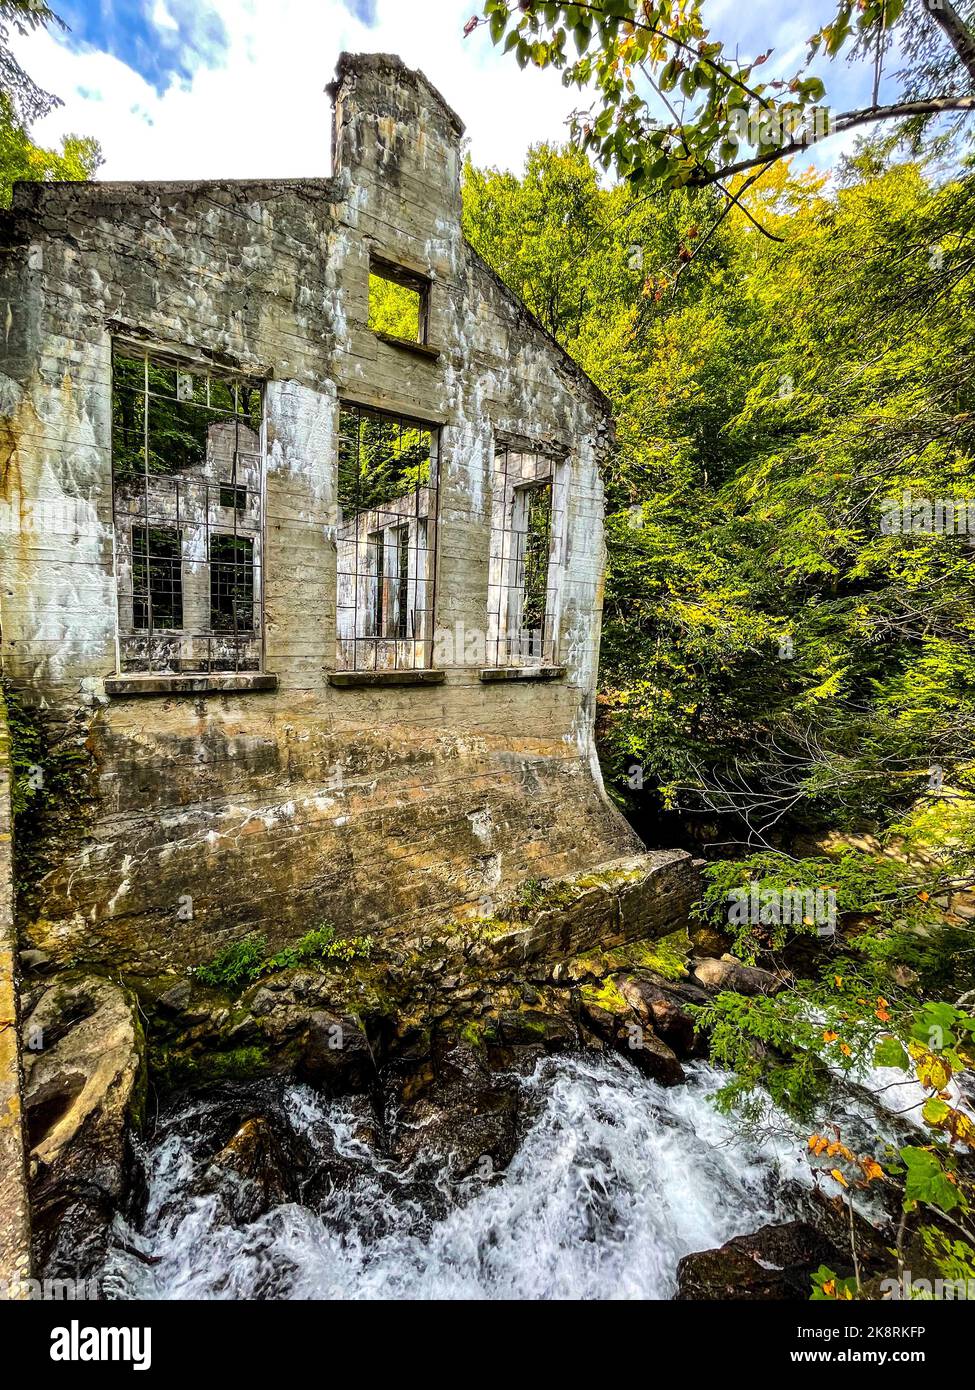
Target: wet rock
x=454 y=1112
x=84 y=1087
x=336 y=1055
x=662 y=1010
x=777 y=1261
x=34 y=960
x=609 y=1015
x=176 y=998
x=535 y=1027
x=729 y=974
x=257 y=1169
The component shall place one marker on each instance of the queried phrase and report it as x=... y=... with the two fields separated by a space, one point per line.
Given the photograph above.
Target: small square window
x=233 y=497
x=398 y=302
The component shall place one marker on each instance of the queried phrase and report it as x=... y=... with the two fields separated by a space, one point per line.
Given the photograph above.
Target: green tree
x=673 y=105
x=22 y=102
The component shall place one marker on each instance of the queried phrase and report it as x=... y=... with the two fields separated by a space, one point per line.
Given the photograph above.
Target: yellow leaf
x=835 y=1173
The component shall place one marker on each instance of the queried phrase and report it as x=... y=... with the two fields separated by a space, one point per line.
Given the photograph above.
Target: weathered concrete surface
x=14 y=1219
x=638 y=898
x=220 y=810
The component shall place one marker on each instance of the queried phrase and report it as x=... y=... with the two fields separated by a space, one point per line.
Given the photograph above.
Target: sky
x=235 y=88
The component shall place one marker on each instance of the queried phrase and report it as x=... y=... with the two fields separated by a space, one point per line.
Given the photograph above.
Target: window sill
x=522 y=673
x=432 y=354
x=190 y=683
x=343 y=679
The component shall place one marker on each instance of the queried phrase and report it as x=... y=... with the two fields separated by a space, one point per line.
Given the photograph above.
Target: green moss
x=472 y=1034
x=607 y=996
x=667 y=956
x=171 y=1067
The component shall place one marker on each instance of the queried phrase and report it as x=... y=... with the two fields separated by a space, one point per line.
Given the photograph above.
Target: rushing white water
x=615 y=1179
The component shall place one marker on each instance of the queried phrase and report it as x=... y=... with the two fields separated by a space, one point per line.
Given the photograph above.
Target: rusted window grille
x=187 y=468
x=527 y=557
x=387 y=490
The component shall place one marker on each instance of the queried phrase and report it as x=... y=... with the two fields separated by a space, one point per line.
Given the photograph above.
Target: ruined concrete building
x=302 y=545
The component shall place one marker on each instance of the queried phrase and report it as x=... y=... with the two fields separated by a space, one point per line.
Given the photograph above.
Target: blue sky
x=235 y=88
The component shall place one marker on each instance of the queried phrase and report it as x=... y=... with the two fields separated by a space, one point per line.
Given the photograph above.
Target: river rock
x=664 y=1011
x=729 y=974
x=255 y=1170
x=454 y=1111
x=777 y=1261
x=336 y=1055
x=629 y=1033
x=84 y=1087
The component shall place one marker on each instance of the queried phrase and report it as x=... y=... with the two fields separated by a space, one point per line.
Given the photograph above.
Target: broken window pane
x=187 y=462
x=387 y=485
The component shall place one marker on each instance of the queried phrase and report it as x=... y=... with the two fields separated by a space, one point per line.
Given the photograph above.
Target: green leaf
x=926 y=1181
x=890 y=1053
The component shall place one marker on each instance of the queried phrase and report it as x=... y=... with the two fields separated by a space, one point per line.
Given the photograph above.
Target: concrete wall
x=14 y=1221
x=286 y=807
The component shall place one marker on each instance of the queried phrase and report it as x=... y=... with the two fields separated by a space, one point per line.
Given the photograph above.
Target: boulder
x=608 y=1014
x=335 y=1053
x=777 y=1262
x=84 y=1089
x=729 y=974
x=454 y=1111
x=664 y=1010
x=255 y=1170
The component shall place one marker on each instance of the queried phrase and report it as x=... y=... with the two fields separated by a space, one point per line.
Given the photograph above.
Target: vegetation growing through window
x=397 y=303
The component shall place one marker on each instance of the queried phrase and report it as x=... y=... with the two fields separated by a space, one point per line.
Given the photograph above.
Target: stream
x=614 y=1179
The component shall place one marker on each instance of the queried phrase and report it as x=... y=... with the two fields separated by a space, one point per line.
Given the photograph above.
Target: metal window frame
x=372 y=650
x=196 y=506
x=519 y=469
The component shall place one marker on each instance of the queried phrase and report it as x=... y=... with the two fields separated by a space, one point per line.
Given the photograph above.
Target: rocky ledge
x=432 y=1031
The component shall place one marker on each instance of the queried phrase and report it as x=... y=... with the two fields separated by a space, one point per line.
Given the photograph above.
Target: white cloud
x=264 y=113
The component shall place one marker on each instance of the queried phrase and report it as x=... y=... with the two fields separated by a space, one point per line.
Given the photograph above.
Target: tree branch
x=847 y=120
x=959 y=35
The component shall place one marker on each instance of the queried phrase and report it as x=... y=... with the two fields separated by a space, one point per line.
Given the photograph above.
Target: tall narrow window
x=527 y=558
x=386 y=541
x=231 y=583
x=187 y=469
x=157 y=578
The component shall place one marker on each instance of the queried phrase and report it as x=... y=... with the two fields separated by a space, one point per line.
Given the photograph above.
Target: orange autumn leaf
x=871 y=1169
x=829 y=1037
x=835 y=1173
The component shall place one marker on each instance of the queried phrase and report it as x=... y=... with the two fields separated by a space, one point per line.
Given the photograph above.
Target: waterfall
x=615 y=1178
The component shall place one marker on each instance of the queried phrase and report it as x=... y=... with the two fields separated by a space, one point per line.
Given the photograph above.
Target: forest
x=788 y=660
